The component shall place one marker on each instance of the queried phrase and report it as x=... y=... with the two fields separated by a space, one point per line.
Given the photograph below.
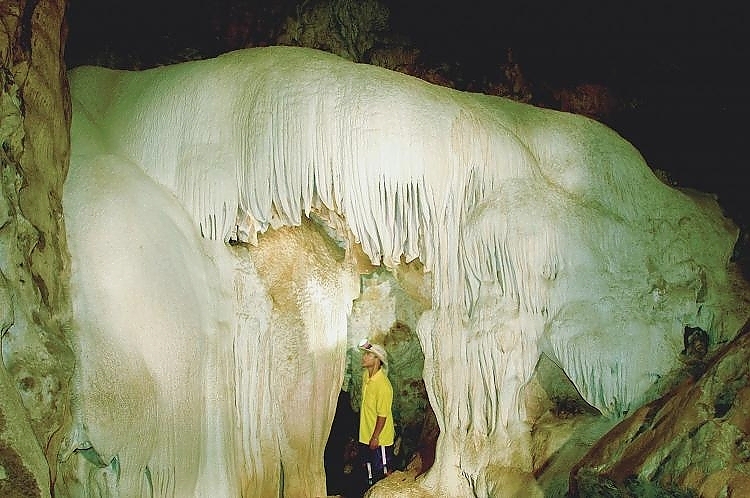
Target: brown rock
x=692 y=440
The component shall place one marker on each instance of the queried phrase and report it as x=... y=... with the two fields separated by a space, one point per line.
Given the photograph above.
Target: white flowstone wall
x=200 y=372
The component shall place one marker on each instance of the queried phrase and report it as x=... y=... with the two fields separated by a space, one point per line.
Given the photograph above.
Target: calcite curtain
x=543 y=232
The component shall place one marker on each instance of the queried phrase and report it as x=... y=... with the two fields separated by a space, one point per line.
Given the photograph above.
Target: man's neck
x=373 y=370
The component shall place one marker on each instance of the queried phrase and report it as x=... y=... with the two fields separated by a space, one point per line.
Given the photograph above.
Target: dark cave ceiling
x=676 y=68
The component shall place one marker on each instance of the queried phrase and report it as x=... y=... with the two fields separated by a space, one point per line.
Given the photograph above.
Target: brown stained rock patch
x=16 y=480
x=588 y=99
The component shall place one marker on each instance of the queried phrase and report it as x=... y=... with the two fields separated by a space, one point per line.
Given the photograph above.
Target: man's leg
x=381 y=459
x=365 y=466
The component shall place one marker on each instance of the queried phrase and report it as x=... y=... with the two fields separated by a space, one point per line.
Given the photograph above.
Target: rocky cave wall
x=34 y=264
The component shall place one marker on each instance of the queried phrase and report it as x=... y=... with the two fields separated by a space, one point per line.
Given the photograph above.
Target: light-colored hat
x=375 y=349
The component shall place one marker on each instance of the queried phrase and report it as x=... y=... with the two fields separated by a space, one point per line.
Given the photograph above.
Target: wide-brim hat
x=375 y=349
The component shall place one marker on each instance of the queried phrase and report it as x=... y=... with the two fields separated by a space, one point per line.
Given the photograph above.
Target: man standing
x=376 y=430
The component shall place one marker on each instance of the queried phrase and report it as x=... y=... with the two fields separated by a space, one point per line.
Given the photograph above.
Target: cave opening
x=387 y=311
x=339 y=458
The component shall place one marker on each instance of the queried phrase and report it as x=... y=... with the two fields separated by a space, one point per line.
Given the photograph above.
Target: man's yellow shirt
x=377 y=401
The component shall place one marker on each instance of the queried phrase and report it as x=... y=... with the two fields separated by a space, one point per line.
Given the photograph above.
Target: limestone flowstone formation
x=196 y=300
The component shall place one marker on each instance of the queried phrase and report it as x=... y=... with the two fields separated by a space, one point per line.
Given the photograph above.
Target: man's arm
x=375 y=439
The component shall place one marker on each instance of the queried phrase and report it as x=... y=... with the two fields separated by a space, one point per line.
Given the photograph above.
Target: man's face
x=369 y=359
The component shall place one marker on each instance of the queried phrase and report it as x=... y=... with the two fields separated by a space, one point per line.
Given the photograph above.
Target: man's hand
x=374 y=442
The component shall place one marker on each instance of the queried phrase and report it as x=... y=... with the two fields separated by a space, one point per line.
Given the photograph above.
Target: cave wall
x=34 y=268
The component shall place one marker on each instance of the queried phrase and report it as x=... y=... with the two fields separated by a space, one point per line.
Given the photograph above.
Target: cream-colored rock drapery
x=543 y=231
